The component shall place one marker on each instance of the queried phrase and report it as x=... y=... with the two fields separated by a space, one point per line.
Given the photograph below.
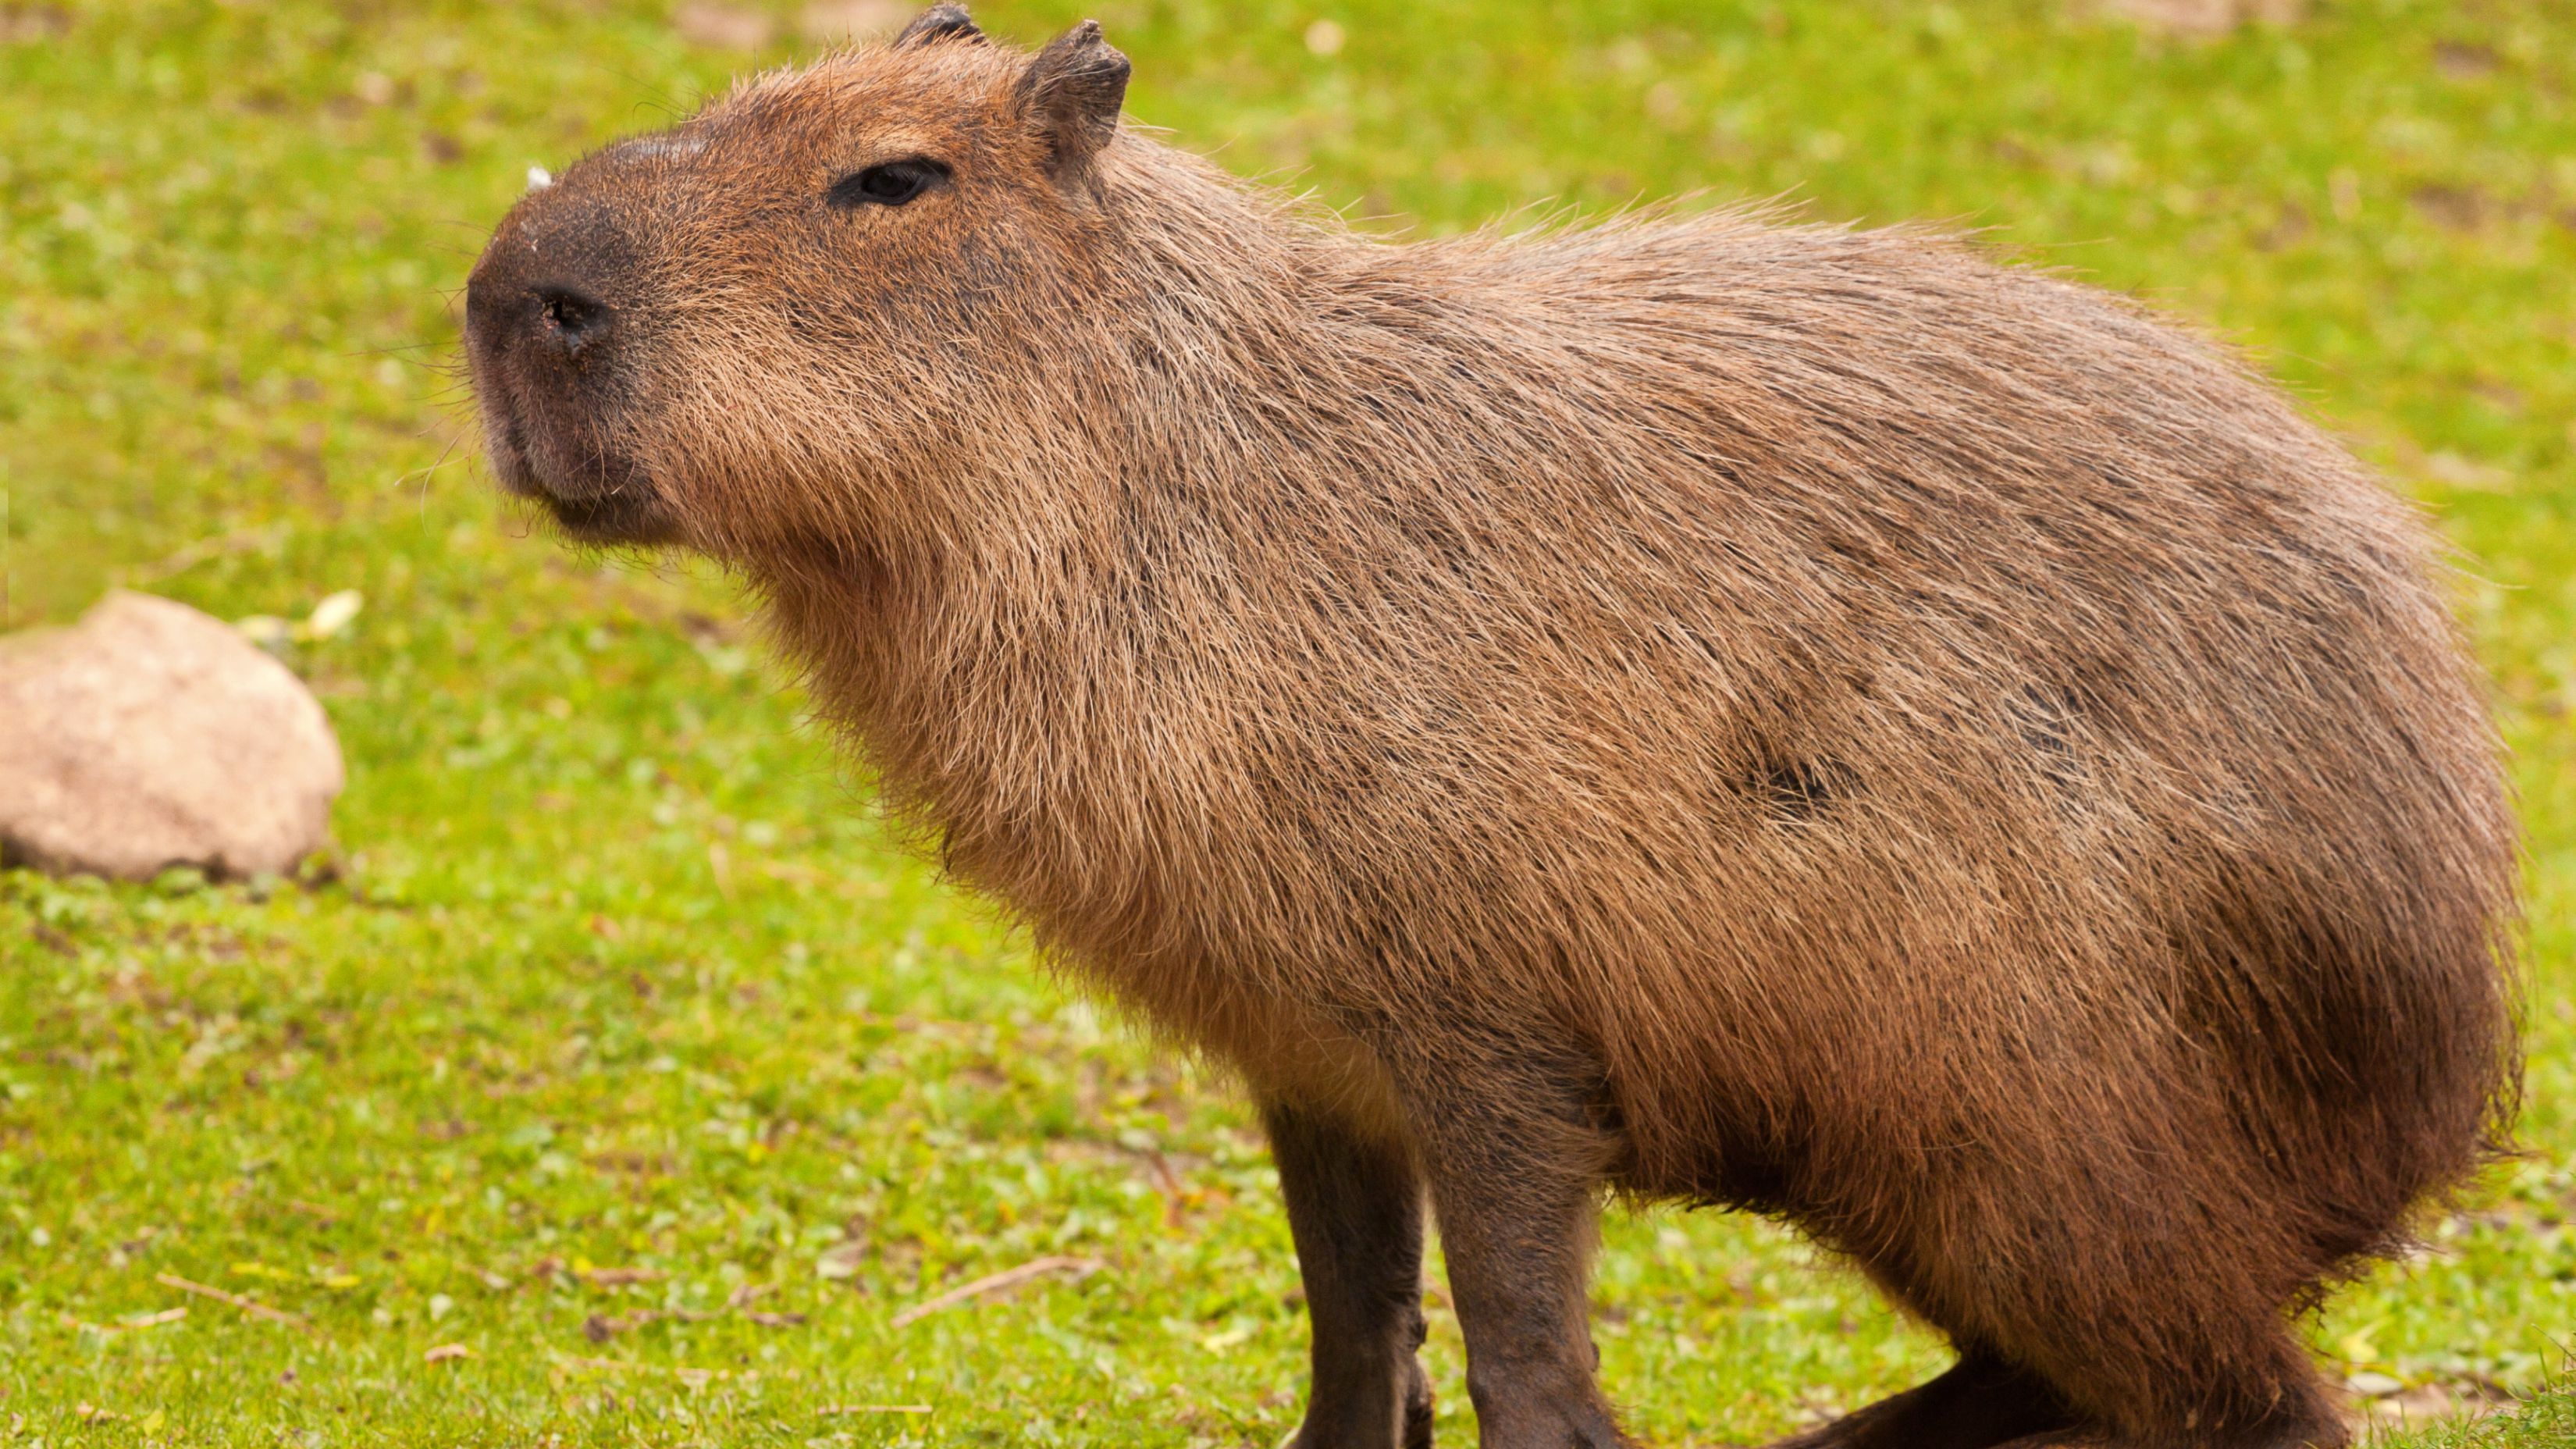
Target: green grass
x=618 y=970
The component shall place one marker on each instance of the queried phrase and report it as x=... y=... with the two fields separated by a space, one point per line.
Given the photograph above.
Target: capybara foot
x=2301 y=1434
x=1334 y=1426
x=1979 y=1403
x=1974 y=1406
x=1534 y=1417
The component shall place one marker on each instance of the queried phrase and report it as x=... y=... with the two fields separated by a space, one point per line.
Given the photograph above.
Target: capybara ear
x=1070 y=96
x=939 y=22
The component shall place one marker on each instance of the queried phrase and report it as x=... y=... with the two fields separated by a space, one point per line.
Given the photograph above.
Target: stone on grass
x=149 y=736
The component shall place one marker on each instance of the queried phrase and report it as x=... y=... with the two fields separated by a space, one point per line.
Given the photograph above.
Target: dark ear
x=1070 y=96
x=939 y=22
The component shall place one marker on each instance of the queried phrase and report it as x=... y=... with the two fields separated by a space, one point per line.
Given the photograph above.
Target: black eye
x=891 y=183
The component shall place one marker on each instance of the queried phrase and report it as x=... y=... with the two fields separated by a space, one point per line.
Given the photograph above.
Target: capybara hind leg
x=1979 y=1403
x=1355 y=1209
x=1515 y=1170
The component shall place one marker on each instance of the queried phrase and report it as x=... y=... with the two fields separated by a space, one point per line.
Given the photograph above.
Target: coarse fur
x=1790 y=717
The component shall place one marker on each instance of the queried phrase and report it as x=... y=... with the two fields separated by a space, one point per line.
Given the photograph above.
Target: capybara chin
x=1692 y=708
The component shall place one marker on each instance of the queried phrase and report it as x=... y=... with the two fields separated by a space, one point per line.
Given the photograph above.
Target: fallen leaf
x=842 y=1260
x=332 y=614
x=265 y=630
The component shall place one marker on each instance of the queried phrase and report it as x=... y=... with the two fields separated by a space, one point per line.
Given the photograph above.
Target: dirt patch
x=2205 y=17
x=2388 y=1401
x=837 y=22
x=2460 y=62
x=27 y=24
x=724 y=27
x=2452 y=208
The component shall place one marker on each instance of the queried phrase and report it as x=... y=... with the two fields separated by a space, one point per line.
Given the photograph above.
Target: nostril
x=571 y=319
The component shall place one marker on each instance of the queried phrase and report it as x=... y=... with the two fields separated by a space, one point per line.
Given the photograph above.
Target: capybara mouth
x=594 y=492
x=630 y=517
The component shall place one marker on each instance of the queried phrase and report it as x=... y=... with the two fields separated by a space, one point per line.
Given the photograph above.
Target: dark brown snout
x=549 y=331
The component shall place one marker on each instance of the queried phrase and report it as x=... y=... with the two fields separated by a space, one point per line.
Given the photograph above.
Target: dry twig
x=1080 y=1268
x=251 y=1306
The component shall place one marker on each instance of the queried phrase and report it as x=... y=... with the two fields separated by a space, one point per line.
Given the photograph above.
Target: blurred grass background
x=627 y=1065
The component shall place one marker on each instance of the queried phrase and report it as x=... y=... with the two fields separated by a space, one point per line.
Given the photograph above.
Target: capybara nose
x=550 y=316
x=570 y=320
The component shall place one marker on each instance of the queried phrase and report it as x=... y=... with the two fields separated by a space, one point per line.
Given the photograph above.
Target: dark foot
x=1338 y=1433
x=2307 y=1434
x=1979 y=1404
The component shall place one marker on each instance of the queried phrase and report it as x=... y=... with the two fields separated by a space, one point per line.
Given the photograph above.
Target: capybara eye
x=891 y=183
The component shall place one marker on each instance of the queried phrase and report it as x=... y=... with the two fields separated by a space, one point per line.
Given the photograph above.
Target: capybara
x=1691 y=708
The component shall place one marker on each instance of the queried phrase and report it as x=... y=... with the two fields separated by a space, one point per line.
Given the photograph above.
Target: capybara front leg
x=1355 y=1209
x=1515 y=1172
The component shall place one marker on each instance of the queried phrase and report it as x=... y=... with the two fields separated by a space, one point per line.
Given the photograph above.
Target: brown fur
x=1782 y=716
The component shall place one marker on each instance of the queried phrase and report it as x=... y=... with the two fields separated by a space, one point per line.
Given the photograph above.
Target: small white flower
x=539 y=178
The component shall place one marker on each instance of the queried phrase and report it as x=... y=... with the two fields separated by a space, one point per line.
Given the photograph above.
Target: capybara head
x=804 y=282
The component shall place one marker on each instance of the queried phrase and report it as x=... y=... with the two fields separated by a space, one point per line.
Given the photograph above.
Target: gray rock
x=150 y=735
